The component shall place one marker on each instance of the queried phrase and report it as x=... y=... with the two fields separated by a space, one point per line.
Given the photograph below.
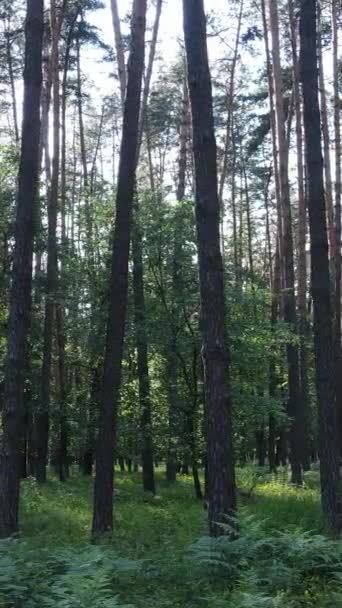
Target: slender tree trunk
x=273 y=128
x=302 y=271
x=12 y=85
x=93 y=408
x=326 y=144
x=139 y=291
x=228 y=134
x=183 y=142
x=20 y=306
x=80 y=114
x=63 y=468
x=103 y=493
x=120 y=54
x=237 y=269
x=149 y=69
x=249 y=228
x=42 y=419
x=338 y=157
x=191 y=424
x=290 y=315
x=320 y=283
x=172 y=363
x=137 y=250
x=222 y=497
x=172 y=385
x=142 y=350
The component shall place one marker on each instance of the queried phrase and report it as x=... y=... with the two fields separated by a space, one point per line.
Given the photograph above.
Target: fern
x=64 y=579
x=272 y=564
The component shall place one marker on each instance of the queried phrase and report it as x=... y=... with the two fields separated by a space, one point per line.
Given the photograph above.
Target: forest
x=170 y=304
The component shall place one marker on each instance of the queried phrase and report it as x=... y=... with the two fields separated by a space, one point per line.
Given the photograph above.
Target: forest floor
x=160 y=556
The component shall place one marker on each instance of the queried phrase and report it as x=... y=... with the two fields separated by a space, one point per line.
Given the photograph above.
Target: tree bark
x=42 y=418
x=302 y=270
x=290 y=315
x=20 y=305
x=222 y=495
x=338 y=157
x=12 y=85
x=143 y=371
x=326 y=144
x=228 y=134
x=103 y=492
x=138 y=270
x=320 y=283
x=120 y=52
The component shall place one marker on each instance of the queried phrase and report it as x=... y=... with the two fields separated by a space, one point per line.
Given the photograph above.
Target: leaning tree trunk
x=222 y=495
x=320 y=278
x=20 y=306
x=103 y=492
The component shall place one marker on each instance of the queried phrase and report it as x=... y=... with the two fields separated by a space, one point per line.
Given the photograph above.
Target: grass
x=156 y=534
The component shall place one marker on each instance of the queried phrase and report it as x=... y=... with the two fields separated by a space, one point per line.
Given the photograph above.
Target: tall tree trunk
x=237 y=268
x=275 y=285
x=273 y=128
x=338 y=158
x=172 y=357
x=138 y=271
x=229 y=123
x=143 y=371
x=20 y=306
x=192 y=415
x=42 y=418
x=103 y=492
x=120 y=54
x=326 y=144
x=222 y=496
x=139 y=291
x=320 y=283
x=290 y=315
x=302 y=271
x=80 y=114
x=183 y=142
x=12 y=85
x=93 y=408
x=63 y=467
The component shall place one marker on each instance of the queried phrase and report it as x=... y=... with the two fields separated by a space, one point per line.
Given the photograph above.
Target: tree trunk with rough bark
x=290 y=314
x=103 y=491
x=221 y=475
x=137 y=255
x=302 y=228
x=326 y=145
x=42 y=418
x=320 y=277
x=338 y=158
x=20 y=305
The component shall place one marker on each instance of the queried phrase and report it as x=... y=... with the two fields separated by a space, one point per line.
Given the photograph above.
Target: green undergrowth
x=160 y=555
